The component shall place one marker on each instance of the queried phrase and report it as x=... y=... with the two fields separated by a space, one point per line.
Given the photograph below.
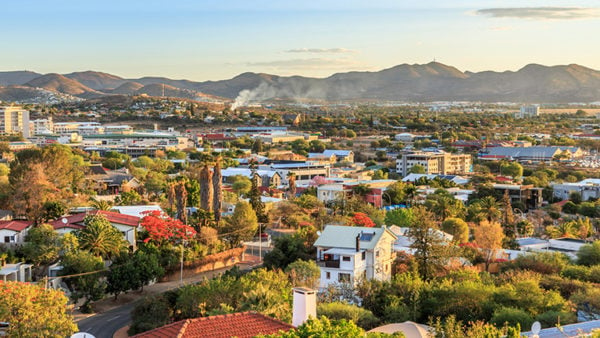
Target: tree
x=41 y=246
x=241 y=185
x=417 y=169
x=508 y=217
x=256 y=202
x=488 y=209
x=206 y=189
x=512 y=169
x=363 y=318
x=430 y=251
x=291 y=185
x=589 y=254
x=242 y=225
x=458 y=228
x=161 y=228
x=217 y=181
x=489 y=236
x=30 y=192
x=402 y=217
x=304 y=273
x=53 y=210
x=100 y=237
x=101 y=205
x=150 y=313
x=395 y=193
x=87 y=283
x=257 y=146
x=31 y=310
x=290 y=248
x=323 y=327
x=361 y=219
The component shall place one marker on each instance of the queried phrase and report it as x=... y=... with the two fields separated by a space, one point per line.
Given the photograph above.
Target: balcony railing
x=329 y=264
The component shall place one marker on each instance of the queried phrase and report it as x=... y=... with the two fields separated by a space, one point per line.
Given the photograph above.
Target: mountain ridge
x=433 y=81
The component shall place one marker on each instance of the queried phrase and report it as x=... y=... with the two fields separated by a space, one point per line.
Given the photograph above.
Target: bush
x=542 y=262
x=566 y=287
x=338 y=310
x=587 y=300
x=150 y=313
x=511 y=317
x=552 y=318
x=576 y=272
x=589 y=254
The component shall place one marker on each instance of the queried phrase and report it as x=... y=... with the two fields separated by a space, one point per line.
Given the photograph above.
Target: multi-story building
x=304 y=171
x=588 y=188
x=435 y=163
x=528 y=112
x=528 y=195
x=375 y=195
x=14 y=120
x=41 y=126
x=348 y=254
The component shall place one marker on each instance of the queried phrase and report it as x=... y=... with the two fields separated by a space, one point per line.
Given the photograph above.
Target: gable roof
x=336 y=152
x=113 y=217
x=17 y=226
x=241 y=325
x=341 y=236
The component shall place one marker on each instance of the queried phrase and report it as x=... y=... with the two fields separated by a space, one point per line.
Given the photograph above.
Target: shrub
x=511 y=317
x=552 y=318
x=150 y=313
x=338 y=310
x=589 y=254
x=587 y=300
x=576 y=272
x=542 y=262
x=566 y=287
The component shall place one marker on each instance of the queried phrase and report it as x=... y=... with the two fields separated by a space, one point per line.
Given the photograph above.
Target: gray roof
x=572 y=330
x=335 y=152
x=530 y=241
x=529 y=152
x=340 y=236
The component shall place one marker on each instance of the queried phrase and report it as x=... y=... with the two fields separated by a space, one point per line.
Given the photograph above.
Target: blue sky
x=212 y=40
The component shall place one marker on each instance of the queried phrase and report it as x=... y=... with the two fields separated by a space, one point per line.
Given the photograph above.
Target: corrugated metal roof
x=340 y=236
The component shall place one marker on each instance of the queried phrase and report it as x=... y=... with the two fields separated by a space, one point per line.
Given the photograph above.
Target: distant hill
x=127 y=88
x=17 y=77
x=428 y=82
x=96 y=80
x=61 y=84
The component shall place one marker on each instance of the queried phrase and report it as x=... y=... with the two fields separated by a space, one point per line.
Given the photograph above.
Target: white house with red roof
x=14 y=231
x=126 y=224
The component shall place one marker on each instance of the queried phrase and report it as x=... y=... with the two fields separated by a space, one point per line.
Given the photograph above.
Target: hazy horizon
x=200 y=41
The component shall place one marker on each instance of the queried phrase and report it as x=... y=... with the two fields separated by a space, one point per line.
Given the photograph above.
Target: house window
x=377 y=253
x=364 y=255
x=9 y=239
x=346 y=258
x=328 y=275
x=344 y=277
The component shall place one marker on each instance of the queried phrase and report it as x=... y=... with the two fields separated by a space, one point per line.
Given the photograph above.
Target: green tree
x=430 y=251
x=241 y=226
x=304 y=273
x=150 y=313
x=589 y=254
x=417 y=169
x=512 y=169
x=402 y=217
x=256 y=202
x=33 y=311
x=86 y=283
x=100 y=238
x=53 y=210
x=457 y=228
x=323 y=327
x=241 y=185
x=365 y=319
x=288 y=249
x=41 y=246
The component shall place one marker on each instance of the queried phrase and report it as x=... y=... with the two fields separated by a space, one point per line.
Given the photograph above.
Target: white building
x=347 y=254
x=588 y=188
x=14 y=231
x=14 y=120
x=435 y=163
x=404 y=137
x=41 y=126
x=528 y=112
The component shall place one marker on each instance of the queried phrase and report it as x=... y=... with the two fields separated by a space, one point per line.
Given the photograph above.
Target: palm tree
x=292 y=184
x=489 y=209
x=563 y=230
x=102 y=205
x=100 y=237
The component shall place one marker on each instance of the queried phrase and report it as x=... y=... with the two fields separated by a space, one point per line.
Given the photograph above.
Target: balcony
x=335 y=263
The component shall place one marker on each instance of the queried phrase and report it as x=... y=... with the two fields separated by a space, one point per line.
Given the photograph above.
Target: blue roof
x=335 y=152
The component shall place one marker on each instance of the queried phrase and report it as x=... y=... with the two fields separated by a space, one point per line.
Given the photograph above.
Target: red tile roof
x=17 y=226
x=241 y=325
x=111 y=216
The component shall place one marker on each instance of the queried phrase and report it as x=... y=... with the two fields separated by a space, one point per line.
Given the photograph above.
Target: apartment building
x=14 y=120
x=435 y=163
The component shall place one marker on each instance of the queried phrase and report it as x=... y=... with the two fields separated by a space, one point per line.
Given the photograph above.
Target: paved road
x=105 y=325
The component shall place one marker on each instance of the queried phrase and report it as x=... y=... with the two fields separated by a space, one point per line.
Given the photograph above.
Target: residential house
x=241 y=325
x=110 y=182
x=341 y=155
x=266 y=178
x=345 y=189
x=14 y=232
x=346 y=254
x=126 y=224
x=293 y=119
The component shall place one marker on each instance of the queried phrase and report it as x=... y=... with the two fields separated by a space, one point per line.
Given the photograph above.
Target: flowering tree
x=360 y=219
x=319 y=180
x=163 y=228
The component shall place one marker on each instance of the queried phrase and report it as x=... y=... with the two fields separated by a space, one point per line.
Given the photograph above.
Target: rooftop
x=340 y=236
x=241 y=325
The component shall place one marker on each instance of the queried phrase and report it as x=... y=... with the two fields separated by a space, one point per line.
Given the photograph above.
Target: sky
x=213 y=40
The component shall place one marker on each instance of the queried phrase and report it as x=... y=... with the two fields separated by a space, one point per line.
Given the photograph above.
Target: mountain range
x=417 y=83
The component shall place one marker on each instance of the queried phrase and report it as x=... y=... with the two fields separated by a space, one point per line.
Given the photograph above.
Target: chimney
x=358 y=243
x=305 y=305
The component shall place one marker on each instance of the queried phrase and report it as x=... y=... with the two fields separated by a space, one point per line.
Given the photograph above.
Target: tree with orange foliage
x=360 y=219
x=162 y=228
